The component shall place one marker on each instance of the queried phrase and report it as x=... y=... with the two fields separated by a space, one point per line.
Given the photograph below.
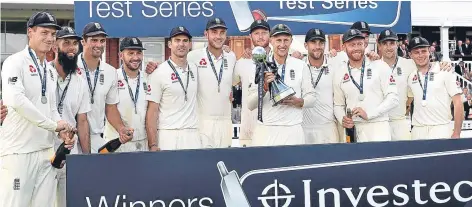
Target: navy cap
x=131 y=43
x=259 y=24
x=418 y=42
x=181 y=30
x=216 y=23
x=361 y=26
x=94 y=28
x=280 y=29
x=352 y=34
x=67 y=32
x=43 y=19
x=315 y=34
x=387 y=35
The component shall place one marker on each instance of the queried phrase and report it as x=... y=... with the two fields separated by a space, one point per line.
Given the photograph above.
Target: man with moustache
x=71 y=95
x=131 y=92
x=319 y=123
x=282 y=123
x=244 y=72
x=171 y=117
x=27 y=178
x=433 y=90
x=366 y=87
x=102 y=84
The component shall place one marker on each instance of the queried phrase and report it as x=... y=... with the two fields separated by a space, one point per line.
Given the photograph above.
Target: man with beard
x=27 y=178
x=131 y=91
x=319 y=123
x=281 y=124
x=366 y=87
x=433 y=90
x=171 y=117
x=102 y=84
x=244 y=72
x=365 y=30
x=72 y=95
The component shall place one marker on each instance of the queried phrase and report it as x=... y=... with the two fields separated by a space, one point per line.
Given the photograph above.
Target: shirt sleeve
x=14 y=95
x=112 y=95
x=390 y=93
x=237 y=73
x=155 y=86
x=338 y=97
x=308 y=92
x=85 y=106
x=452 y=87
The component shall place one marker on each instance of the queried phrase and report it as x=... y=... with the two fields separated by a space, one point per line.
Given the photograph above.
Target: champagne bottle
x=59 y=156
x=110 y=146
x=350 y=133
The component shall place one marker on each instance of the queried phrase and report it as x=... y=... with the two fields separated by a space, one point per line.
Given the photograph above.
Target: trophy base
x=282 y=96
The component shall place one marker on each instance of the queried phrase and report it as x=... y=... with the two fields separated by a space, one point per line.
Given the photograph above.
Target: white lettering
x=176 y=7
x=132 y=204
x=340 y=5
x=209 y=9
x=401 y=195
x=350 y=195
x=176 y=200
x=128 y=13
x=434 y=189
x=161 y=203
x=327 y=5
x=120 y=9
x=417 y=185
x=371 y=193
x=373 y=5
x=105 y=9
x=301 y=5
x=151 y=7
x=103 y=201
x=307 y=192
x=362 y=4
x=117 y=200
x=210 y=202
x=322 y=197
x=162 y=8
x=456 y=193
x=191 y=9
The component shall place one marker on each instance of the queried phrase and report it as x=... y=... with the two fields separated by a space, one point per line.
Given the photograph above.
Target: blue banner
x=157 y=18
x=411 y=173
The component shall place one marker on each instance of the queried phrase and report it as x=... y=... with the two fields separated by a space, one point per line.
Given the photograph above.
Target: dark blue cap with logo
x=131 y=43
x=352 y=34
x=67 y=32
x=418 y=42
x=216 y=23
x=93 y=29
x=388 y=34
x=280 y=29
x=315 y=34
x=259 y=24
x=180 y=30
x=361 y=26
x=43 y=19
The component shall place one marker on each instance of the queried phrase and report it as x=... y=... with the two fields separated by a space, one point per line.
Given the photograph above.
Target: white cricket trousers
x=373 y=132
x=28 y=180
x=321 y=134
x=278 y=135
x=248 y=123
x=400 y=130
x=134 y=146
x=216 y=132
x=176 y=139
x=432 y=132
x=97 y=142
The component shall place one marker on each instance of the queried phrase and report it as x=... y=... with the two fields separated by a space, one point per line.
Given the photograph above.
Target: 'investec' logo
x=280 y=200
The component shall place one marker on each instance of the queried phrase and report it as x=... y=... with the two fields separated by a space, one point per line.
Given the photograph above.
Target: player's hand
x=247 y=54
x=333 y=53
x=348 y=123
x=68 y=137
x=154 y=149
x=293 y=101
x=63 y=125
x=359 y=112
x=151 y=66
x=456 y=135
x=126 y=134
x=269 y=77
x=226 y=48
x=3 y=111
x=373 y=56
x=445 y=66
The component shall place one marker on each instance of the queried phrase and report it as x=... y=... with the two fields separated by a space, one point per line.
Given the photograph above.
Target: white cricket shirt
x=106 y=92
x=244 y=72
x=441 y=88
x=165 y=89
x=297 y=76
x=131 y=118
x=212 y=103
x=380 y=91
x=401 y=72
x=30 y=124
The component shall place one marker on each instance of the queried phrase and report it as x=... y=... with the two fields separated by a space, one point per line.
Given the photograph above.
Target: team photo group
x=79 y=104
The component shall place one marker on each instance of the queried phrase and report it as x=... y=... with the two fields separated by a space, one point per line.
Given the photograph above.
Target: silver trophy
x=233 y=192
x=279 y=91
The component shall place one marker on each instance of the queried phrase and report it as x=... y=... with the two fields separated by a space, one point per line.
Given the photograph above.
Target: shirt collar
x=213 y=56
x=325 y=63
x=177 y=67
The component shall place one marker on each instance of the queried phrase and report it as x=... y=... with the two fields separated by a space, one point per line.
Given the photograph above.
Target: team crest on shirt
x=326 y=70
x=225 y=64
x=202 y=63
x=78 y=71
x=415 y=78
x=145 y=86
x=102 y=79
x=431 y=77
x=369 y=73
x=121 y=85
x=173 y=78
x=292 y=74
x=392 y=80
x=399 y=71
x=346 y=78
x=33 y=71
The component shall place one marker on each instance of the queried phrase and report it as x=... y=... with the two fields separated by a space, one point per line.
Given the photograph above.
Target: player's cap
x=280 y=29
x=43 y=19
x=131 y=43
x=387 y=34
x=418 y=42
x=67 y=32
x=93 y=29
x=361 y=26
x=352 y=34
x=216 y=23
x=315 y=34
x=259 y=24
x=180 y=30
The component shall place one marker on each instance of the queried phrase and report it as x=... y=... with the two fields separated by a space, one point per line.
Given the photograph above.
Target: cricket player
x=367 y=88
x=103 y=86
x=244 y=72
x=282 y=123
x=433 y=90
x=365 y=30
x=171 y=117
x=72 y=98
x=131 y=91
x=319 y=123
x=27 y=178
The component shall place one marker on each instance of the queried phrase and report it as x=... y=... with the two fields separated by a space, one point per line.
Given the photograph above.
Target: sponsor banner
x=410 y=173
x=157 y=18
